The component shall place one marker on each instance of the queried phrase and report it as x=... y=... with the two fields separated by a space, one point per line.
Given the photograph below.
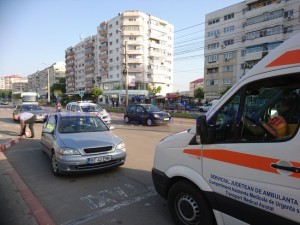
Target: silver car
x=78 y=142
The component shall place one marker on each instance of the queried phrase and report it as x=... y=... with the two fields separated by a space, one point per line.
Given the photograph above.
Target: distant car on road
x=146 y=114
x=87 y=106
x=41 y=114
x=80 y=142
x=4 y=102
x=205 y=107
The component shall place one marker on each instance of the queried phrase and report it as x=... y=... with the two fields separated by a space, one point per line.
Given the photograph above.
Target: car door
x=251 y=172
x=141 y=114
x=47 y=137
x=132 y=113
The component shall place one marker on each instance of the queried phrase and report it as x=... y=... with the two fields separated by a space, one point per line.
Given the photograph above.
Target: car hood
x=89 y=140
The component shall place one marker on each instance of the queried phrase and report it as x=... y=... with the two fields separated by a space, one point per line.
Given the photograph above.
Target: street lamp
x=48 y=85
x=125 y=73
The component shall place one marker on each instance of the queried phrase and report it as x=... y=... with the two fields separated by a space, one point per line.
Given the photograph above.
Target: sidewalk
x=13 y=208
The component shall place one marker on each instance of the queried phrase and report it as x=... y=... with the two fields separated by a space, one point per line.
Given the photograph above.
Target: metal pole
x=126 y=76
x=48 y=86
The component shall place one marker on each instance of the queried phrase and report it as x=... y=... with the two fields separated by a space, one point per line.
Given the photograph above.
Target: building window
x=213 y=46
x=229 y=16
x=227 y=80
x=229 y=29
x=228 y=42
x=228 y=56
x=213 y=21
x=228 y=68
x=215 y=33
x=211 y=82
x=212 y=58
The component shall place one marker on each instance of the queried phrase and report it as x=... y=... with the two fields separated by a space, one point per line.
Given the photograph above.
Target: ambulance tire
x=188 y=206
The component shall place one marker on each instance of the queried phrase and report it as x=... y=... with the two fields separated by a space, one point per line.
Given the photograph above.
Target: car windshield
x=151 y=108
x=81 y=124
x=31 y=107
x=91 y=108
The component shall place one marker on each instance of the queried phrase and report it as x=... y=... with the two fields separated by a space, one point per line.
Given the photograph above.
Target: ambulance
x=229 y=168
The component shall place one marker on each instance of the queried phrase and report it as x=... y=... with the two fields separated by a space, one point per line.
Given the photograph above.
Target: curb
x=10 y=143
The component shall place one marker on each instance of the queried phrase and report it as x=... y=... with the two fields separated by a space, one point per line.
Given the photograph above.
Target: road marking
x=150 y=192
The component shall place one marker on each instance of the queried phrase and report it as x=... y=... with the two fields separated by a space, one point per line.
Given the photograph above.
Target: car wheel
x=188 y=206
x=149 y=122
x=126 y=119
x=54 y=167
x=200 y=110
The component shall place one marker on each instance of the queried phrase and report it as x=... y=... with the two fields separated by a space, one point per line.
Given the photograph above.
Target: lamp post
x=48 y=85
x=125 y=72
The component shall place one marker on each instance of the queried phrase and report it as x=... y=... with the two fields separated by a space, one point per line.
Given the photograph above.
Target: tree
x=60 y=86
x=199 y=93
x=97 y=92
x=152 y=90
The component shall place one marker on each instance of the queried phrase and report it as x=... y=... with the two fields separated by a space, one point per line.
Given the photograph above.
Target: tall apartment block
x=136 y=40
x=239 y=36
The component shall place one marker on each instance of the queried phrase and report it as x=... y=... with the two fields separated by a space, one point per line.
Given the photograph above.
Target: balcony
x=103 y=57
x=103 y=40
x=104 y=48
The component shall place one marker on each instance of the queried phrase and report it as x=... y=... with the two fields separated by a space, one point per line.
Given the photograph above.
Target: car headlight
x=156 y=116
x=120 y=146
x=68 y=151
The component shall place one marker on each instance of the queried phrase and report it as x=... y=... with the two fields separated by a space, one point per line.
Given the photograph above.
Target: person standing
x=27 y=118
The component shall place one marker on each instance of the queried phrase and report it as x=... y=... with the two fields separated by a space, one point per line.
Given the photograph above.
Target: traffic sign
x=81 y=93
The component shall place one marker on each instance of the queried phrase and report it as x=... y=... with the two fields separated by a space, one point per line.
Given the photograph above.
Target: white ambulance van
x=230 y=168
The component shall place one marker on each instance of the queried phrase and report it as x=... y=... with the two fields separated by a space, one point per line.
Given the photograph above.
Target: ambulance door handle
x=288 y=168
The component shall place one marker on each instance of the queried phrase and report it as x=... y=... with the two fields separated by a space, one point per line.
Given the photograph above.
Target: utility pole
x=48 y=85
x=126 y=76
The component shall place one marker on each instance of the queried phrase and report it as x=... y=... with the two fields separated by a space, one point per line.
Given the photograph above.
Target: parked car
x=4 y=102
x=205 y=107
x=41 y=114
x=87 y=106
x=146 y=114
x=80 y=142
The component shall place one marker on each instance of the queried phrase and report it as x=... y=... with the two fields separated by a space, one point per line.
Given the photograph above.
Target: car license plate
x=98 y=159
x=166 y=118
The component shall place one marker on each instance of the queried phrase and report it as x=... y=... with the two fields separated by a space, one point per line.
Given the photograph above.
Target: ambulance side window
x=226 y=119
x=255 y=112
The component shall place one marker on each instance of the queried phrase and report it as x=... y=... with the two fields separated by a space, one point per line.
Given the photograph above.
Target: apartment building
x=194 y=85
x=239 y=36
x=39 y=81
x=133 y=43
x=8 y=81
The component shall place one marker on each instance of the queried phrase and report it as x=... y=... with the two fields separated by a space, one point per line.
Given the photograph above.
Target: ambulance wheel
x=188 y=206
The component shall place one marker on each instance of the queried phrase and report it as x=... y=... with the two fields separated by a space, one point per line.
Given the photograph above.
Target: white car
x=207 y=106
x=87 y=106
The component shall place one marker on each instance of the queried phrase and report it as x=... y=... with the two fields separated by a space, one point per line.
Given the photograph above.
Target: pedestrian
x=58 y=107
x=27 y=118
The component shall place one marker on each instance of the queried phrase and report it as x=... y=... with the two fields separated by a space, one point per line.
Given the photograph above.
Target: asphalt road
x=123 y=195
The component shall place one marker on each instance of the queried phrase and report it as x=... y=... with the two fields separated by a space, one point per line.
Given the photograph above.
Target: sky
x=36 y=33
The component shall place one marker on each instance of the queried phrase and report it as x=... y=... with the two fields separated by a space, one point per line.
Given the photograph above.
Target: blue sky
x=34 y=32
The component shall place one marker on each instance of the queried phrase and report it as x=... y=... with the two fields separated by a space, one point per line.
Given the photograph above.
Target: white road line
x=150 y=193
